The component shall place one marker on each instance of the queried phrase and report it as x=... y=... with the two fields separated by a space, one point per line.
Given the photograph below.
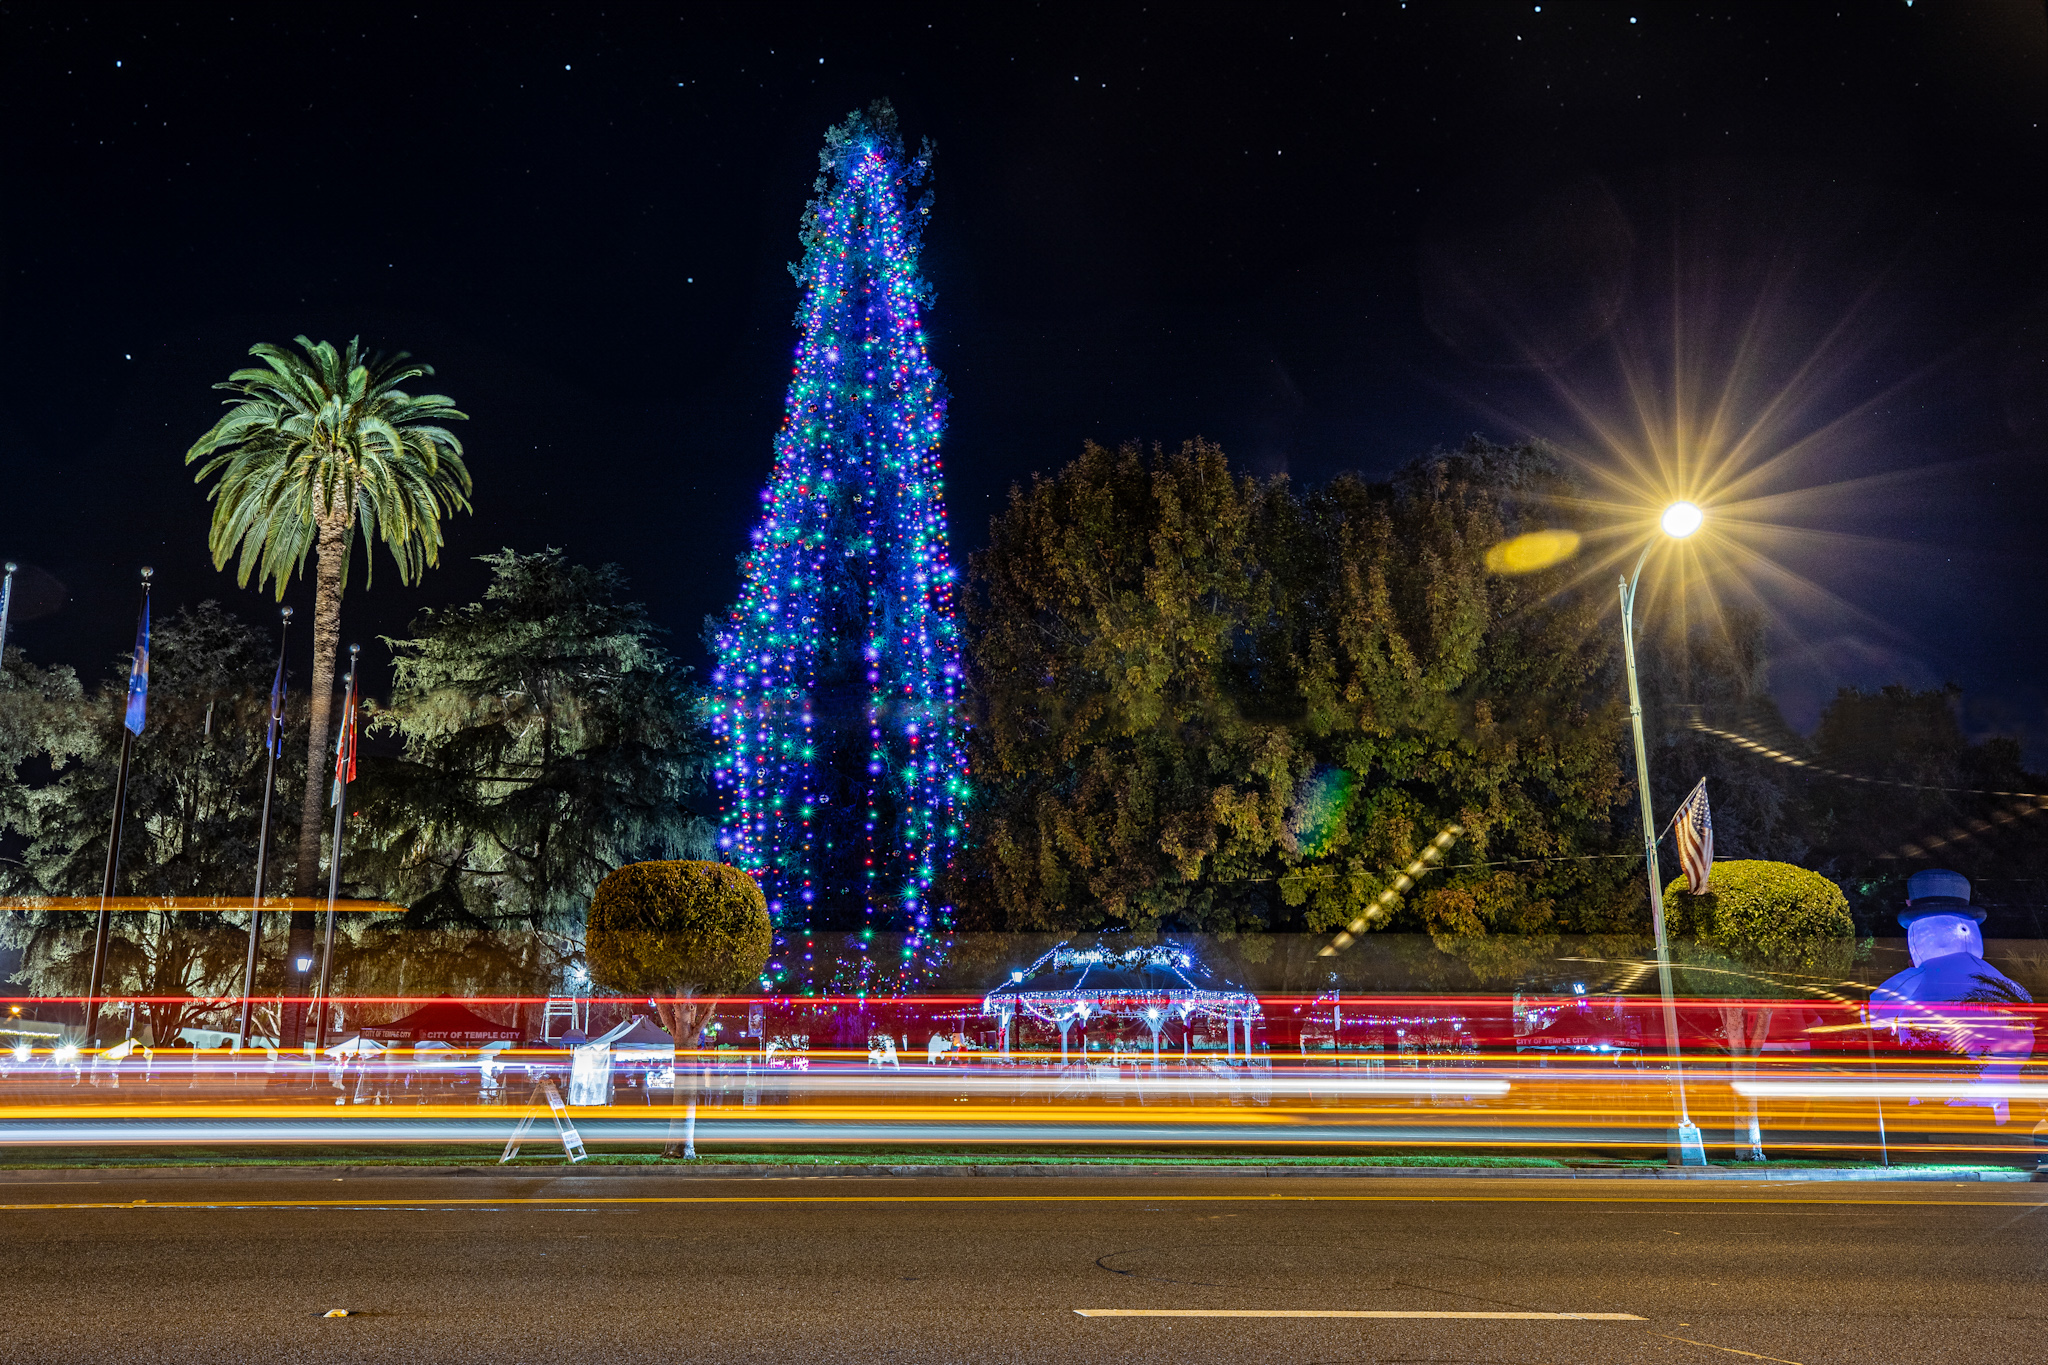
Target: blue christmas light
x=841 y=771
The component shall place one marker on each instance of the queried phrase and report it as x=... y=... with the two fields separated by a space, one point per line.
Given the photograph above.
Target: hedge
x=1763 y=911
x=676 y=928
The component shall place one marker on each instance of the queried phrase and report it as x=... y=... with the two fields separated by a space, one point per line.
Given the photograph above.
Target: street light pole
x=1690 y=1150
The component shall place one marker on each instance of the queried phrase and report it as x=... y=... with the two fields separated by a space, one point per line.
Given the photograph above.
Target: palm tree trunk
x=333 y=552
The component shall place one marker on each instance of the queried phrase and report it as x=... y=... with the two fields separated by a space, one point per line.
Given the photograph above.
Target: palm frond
x=318 y=432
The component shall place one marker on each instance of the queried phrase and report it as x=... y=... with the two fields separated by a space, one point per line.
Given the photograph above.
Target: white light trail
x=1851 y=1089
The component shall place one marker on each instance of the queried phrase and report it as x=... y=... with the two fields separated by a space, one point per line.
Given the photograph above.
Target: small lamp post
x=1680 y=520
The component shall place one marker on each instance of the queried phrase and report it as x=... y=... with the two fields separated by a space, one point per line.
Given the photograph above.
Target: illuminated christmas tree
x=840 y=767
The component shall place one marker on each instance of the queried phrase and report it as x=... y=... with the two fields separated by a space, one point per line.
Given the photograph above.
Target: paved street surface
x=629 y=1266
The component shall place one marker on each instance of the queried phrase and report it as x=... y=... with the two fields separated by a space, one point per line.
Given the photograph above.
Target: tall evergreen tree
x=835 y=690
x=548 y=739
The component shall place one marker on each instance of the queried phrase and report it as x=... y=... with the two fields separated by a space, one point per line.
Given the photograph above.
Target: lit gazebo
x=1151 y=984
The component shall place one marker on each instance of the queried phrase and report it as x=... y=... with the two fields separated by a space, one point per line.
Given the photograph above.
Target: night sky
x=1329 y=238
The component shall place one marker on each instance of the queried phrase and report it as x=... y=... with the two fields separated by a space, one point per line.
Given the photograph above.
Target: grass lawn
x=547 y=1154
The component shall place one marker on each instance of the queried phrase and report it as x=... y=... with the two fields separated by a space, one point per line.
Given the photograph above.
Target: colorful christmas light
x=841 y=771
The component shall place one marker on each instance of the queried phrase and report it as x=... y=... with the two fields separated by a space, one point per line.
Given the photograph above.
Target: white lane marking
x=1346 y=1313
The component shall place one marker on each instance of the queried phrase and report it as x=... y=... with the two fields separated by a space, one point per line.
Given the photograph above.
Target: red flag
x=345 y=751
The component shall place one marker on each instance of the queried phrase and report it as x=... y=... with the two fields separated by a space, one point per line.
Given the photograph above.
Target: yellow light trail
x=1518 y=1109
x=187 y=904
x=1395 y=890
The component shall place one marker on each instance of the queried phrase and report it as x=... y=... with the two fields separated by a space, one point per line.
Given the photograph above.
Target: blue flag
x=138 y=672
x=273 y=739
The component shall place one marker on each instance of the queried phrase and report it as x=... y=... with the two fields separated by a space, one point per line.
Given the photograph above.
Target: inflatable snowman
x=1950 y=999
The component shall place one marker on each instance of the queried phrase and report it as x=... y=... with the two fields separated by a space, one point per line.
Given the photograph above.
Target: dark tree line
x=1200 y=701
x=1213 y=702
x=1205 y=701
x=194 y=791
x=544 y=737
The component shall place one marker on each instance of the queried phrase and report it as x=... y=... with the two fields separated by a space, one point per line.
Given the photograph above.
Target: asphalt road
x=627 y=1266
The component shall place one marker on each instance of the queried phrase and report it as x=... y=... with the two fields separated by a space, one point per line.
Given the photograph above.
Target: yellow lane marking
x=1347 y=1313
x=1780 y=1360
x=1160 y=1198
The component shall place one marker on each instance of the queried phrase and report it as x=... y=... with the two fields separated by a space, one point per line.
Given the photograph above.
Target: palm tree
x=313 y=449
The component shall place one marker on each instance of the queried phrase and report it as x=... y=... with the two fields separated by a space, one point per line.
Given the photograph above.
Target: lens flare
x=1532 y=553
x=1319 y=808
x=1764 y=385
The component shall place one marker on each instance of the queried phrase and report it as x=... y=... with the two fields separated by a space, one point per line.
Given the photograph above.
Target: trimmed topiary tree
x=1763 y=931
x=681 y=934
x=1785 y=917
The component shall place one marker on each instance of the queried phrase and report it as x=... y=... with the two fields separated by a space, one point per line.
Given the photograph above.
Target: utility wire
x=1956 y=834
x=1792 y=760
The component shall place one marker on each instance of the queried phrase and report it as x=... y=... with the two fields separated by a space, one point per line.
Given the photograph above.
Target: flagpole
x=273 y=740
x=344 y=754
x=6 y=600
x=101 y=924
x=1681 y=806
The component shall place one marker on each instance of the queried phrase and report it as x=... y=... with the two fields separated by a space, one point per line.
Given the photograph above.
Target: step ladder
x=562 y=1014
x=565 y=1128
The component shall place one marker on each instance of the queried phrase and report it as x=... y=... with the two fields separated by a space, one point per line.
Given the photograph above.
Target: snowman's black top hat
x=1938 y=891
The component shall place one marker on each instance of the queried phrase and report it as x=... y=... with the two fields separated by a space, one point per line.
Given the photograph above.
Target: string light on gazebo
x=1068 y=985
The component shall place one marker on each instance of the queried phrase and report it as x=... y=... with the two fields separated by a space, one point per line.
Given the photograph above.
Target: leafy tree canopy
x=1218 y=703
x=195 y=784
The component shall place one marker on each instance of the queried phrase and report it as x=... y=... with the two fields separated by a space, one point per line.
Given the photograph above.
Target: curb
x=1864 y=1174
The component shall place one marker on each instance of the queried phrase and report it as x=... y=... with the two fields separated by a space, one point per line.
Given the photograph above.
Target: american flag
x=1692 y=829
